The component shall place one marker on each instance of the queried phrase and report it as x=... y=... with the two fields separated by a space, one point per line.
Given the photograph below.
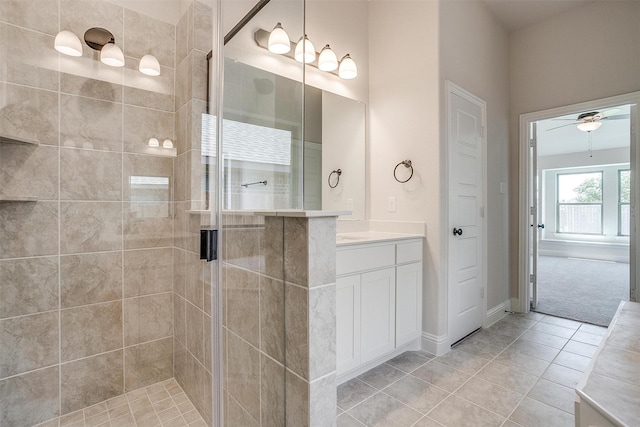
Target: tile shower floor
x=162 y=404
x=521 y=371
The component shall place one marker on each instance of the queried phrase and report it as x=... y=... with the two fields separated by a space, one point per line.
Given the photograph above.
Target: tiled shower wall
x=192 y=277
x=86 y=301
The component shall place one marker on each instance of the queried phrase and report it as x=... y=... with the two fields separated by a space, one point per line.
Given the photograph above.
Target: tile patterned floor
x=522 y=371
x=162 y=404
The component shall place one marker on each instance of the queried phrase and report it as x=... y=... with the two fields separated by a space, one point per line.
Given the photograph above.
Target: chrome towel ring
x=406 y=164
x=338 y=172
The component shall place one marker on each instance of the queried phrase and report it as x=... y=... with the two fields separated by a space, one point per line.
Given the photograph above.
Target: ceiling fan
x=591 y=121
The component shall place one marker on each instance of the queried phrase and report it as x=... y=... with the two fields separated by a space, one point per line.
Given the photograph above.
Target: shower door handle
x=209 y=244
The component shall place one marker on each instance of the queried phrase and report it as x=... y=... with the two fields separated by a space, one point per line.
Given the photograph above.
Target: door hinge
x=209 y=244
x=532 y=143
x=532 y=210
x=532 y=278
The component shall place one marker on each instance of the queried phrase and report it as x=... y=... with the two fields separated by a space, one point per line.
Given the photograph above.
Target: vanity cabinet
x=378 y=301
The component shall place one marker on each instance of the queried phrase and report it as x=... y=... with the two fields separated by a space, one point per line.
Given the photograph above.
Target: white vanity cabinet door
x=347 y=323
x=408 y=303
x=377 y=308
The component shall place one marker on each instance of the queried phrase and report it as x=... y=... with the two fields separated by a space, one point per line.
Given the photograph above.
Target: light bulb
x=327 y=61
x=279 y=40
x=589 y=126
x=153 y=142
x=305 y=52
x=111 y=55
x=149 y=65
x=68 y=43
x=348 y=69
x=167 y=143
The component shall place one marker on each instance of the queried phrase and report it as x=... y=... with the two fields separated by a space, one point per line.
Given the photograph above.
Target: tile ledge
x=298 y=213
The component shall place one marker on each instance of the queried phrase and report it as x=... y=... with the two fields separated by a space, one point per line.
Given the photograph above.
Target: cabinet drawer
x=364 y=258
x=409 y=252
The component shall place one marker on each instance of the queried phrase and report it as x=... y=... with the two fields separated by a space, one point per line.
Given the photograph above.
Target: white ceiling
x=517 y=14
x=570 y=139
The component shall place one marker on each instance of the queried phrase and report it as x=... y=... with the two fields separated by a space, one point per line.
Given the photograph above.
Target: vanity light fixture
x=111 y=55
x=153 y=142
x=167 y=143
x=279 y=40
x=305 y=51
x=327 y=61
x=348 y=68
x=68 y=43
x=149 y=65
x=589 y=126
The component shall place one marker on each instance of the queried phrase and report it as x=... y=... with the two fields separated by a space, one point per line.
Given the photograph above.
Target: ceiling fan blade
x=560 y=118
x=611 y=112
x=617 y=117
x=568 y=124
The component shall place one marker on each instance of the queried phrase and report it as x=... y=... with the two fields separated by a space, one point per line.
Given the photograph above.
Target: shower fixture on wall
x=277 y=41
x=102 y=40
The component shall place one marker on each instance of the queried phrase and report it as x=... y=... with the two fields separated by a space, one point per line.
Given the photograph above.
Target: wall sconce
x=304 y=51
x=102 y=40
x=153 y=142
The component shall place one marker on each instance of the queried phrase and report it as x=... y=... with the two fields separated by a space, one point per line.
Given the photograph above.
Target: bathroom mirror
x=278 y=160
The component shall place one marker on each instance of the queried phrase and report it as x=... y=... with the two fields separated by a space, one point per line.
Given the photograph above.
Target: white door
x=534 y=194
x=466 y=176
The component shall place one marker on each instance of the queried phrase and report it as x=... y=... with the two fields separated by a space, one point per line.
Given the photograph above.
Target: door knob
x=540 y=225
x=457 y=231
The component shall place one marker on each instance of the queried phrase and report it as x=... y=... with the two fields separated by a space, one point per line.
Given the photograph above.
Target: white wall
x=474 y=50
x=588 y=53
x=404 y=122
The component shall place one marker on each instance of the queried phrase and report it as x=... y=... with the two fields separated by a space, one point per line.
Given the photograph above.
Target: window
x=579 y=203
x=624 y=198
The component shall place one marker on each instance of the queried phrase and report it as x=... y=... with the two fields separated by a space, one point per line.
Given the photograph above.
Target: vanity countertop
x=360 y=237
x=611 y=385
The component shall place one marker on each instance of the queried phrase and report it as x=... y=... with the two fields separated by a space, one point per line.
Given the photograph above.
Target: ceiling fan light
x=279 y=40
x=327 y=61
x=305 y=51
x=589 y=126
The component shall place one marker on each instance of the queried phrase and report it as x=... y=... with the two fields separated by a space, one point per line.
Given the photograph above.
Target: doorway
x=578 y=209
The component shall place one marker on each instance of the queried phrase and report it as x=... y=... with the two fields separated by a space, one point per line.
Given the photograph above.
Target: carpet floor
x=579 y=289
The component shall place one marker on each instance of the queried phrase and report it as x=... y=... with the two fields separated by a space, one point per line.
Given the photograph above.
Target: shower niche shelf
x=9 y=139
x=18 y=199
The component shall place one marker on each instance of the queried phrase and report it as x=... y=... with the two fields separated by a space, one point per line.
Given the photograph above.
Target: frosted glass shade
x=68 y=43
x=112 y=55
x=589 y=126
x=327 y=61
x=149 y=65
x=167 y=143
x=279 y=40
x=305 y=51
x=348 y=68
x=153 y=142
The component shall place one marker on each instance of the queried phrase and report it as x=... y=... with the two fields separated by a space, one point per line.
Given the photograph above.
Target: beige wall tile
x=28 y=343
x=90 y=226
x=90 y=87
x=297 y=329
x=322 y=401
x=203 y=26
x=322 y=254
x=140 y=124
x=90 y=123
x=273 y=247
x=207 y=341
x=90 y=278
x=146 y=91
x=179 y=271
x=272 y=392
x=194 y=331
x=32 y=229
x=147 y=225
x=90 y=175
x=272 y=317
x=39 y=15
x=148 y=318
x=90 y=330
x=241 y=247
x=243 y=303
x=147 y=35
x=29 y=171
x=184 y=34
x=297 y=407
x=148 y=363
x=26 y=57
x=194 y=286
x=179 y=319
x=148 y=271
x=234 y=415
x=199 y=76
x=243 y=375
x=29 y=113
x=77 y=17
x=30 y=398
x=296 y=251
x=144 y=166
x=86 y=382
x=322 y=331
x=28 y=286
x=184 y=82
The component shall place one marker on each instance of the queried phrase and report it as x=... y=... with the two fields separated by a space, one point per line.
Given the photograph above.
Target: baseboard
x=497 y=313
x=437 y=345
